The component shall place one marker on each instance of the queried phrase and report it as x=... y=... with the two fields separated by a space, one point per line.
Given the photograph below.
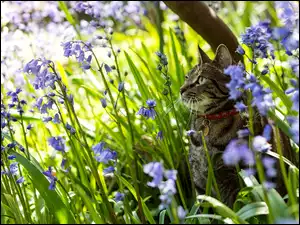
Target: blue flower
x=190 y=132
x=121 y=86
x=237 y=82
x=294 y=129
x=58 y=143
x=70 y=128
x=20 y=180
x=269 y=164
x=159 y=135
x=240 y=50
x=47 y=119
x=11 y=157
x=181 y=213
x=269 y=185
x=49 y=174
x=109 y=169
x=267 y=132
x=155 y=170
x=119 y=196
x=240 y=106
x=260 y=144
x=56 y=119
x=170 y=174
x=107 y=68
x=13 y=168
x=148 y=112
x=243 y=133
x=98 y=148
x=103 y=102
x=105 y=156
x=29 y=127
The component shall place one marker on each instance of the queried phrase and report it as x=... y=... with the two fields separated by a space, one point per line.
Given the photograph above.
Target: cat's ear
x=202 y=57
x=223 y=56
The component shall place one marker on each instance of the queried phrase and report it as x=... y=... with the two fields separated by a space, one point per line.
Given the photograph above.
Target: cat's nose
x=183 y=89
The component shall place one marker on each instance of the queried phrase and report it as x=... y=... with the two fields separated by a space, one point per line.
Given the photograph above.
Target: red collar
x=220 y=115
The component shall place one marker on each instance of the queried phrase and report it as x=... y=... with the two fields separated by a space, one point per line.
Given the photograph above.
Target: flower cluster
x=167 y=188
x=79 y=49
x=43 y=77
x=237 y=82
x=148 y=112
x=258 y=37
x=58 y=143
x=163 y=68
x=104 y=156
x=51 y=176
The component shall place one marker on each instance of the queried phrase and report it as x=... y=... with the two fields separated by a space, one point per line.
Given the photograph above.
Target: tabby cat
x=205 y=93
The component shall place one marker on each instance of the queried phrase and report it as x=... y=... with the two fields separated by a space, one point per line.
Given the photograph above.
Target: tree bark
x=206 y=23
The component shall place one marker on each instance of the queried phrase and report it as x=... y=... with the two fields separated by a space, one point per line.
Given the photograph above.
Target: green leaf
x=52 y=199
x=162 y=217
x=253 y=209
x=211 y=216
x=222 y=209
x=13 y=207
x=95 y=216
x=129 y=186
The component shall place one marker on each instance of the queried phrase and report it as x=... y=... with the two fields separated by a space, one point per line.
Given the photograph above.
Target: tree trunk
x=206 y=23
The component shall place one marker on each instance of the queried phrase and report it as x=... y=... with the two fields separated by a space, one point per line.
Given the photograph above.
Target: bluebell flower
x=237 y=82
x=181 y=213
x=258 y=37
x=170 y=174
x=70 y=128
x=162 y=58
x=109 y=169
x=11 y=157
x=237 y=150
x=240 y=106
x=107 y=68
x=250 y=172
x=11 y=145
x=267 y=132
x=294 y=127
x=58 y=143
x=260 y=144
x=148 y=112
x=47 y=119
x=103 y=102
x=63 y=164
x=20 y=180
x=119 y=196
x=190 y=132
x=155 y=170
x=106 y=155
x=269 y=165
x=56 y=119
x=240 y=50
x=98 y=148
x=243 y=133
x=269 y=185
x=13 y=168
x=121 y=86
x=49 y=174
x=159 y=135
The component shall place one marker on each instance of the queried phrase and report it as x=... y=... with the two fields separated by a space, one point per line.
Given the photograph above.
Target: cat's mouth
x=196 y=103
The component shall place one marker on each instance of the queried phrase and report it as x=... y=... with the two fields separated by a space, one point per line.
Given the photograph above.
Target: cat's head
x=204 y=89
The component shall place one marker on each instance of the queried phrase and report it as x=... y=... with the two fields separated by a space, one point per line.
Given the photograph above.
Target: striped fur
x=204 y=92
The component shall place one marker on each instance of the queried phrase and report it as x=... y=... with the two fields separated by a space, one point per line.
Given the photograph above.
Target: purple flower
x=109 y=169
x=260 y=144
x=49 y=174
x=294 y=129
x=159 y=135
x=105 y=156
x=58 y=143
x=103 y=102
x=240 y=106
x=148 y=112
x=236 y=72
x=170 y=174
x=13 y=168
x=269 y=185
x=190 y=132
x=119 y=196
x=29 y=127
x=107 y=68
x=70 y=128
x=240 y=50
x=20 y=180
x=121 y=86
x=269 y=164
x=237 y=150
x=155 y=170
x=181 y=212
x=98 y=148
x=56 y=119
x=47 y=119
x=11 y=157
x=267 y=132
x=243 y=133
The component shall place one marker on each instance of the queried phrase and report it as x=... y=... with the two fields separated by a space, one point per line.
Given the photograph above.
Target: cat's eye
x=186 y=76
